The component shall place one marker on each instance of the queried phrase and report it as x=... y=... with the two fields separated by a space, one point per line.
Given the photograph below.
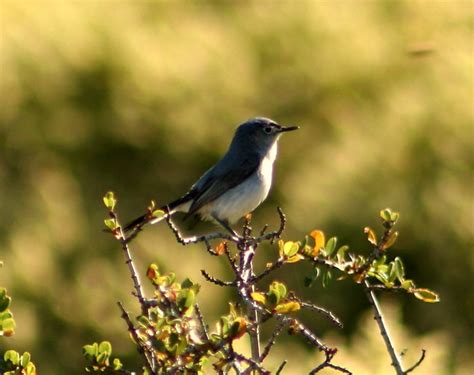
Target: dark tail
x=169 y=209
x=138 y=221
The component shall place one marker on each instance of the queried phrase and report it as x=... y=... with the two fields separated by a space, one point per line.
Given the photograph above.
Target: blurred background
x=141 y=97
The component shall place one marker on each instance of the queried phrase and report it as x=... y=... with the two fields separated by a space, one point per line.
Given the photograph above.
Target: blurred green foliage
x=142 y=96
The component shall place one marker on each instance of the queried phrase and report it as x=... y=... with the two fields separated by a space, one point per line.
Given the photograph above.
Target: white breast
x=247 y=196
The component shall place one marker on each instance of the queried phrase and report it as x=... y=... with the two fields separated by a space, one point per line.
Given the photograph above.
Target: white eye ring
x=268 y=129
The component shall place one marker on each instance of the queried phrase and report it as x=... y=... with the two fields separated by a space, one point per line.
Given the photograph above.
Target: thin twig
x=147 y=356
x=396 y=362
x=269 y=270
x=278 y=329
x=204 y=333
x=217 y=281
x=423 y=353
x=133 y=273
x=280 y=368
x=320 y=310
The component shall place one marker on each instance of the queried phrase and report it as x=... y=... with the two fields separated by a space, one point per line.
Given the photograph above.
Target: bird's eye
x=268 y=129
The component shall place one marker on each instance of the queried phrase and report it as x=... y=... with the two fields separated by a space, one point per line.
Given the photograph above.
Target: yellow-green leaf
x=287 y=307
x=294 y=258
x=158 y=214
x=290 y=248
x=111 y=223
x=259 y=297
x=109 y=200
x=426 y=295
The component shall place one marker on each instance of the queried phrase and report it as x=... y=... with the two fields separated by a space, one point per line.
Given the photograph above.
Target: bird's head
x=260 y=132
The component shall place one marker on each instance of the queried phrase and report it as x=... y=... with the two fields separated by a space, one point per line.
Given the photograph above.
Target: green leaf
x=102 y=359
x=407 y=284
x=290 y=248
x=90 y=351
x=331 y=246
x=105 y=347
x=109 y=200
x=386 y=214
x=12 y=356
x=426 y=295
x=186 y=299
x=111 y=223
x=158 y=213
x=341 y=253
x=187 y=283
x=7 y=327
x=276 y=292
x=399 y=269
x=116 y=364
x=326 y=278
x=285 y=308
x=25 y=359
x=5 y=300
x=394 y=217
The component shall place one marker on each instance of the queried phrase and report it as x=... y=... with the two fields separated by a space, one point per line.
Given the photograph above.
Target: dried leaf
x=319 y=241
x=371 y=236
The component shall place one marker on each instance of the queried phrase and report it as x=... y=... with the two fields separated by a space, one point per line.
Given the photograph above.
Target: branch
x=278 y=329
x=320 y=310
x=196 y=239
x=133 y=272
x=396 y=363
x=327 y=363
x=217 y=281
x=147 y=356
x=423 y=353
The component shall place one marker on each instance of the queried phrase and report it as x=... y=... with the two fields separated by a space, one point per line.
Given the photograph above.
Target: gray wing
x=225 y=175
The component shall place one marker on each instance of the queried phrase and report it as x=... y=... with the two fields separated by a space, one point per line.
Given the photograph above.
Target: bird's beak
x=288 y=128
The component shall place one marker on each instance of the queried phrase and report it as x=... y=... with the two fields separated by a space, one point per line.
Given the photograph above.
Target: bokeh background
x=141 y=97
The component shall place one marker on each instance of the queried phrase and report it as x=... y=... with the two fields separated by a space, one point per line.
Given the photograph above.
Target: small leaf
x=341 y=253
x=111 y=223
x=330 y=246
x=105 y=347
x=326 y=278
x=90 y=351
x=220 y=248
x=12 y=356
x=117 y=365
x=290 y=248
x=158 y=214
x=386 y=214
x=25 y=359
x=399 y=269
x=371 y=235
x=319 y=241
x=426 y=295
x=295 y=258
x=259 y=297
x=281 y=244
x=109 y=200
x=187 y=283
x=407 y=284
x=287 y=307
x=152 y=272
x=391 y=240
x=394 y=217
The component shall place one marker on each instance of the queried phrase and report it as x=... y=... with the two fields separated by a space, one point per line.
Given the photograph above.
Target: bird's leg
x=225 y=225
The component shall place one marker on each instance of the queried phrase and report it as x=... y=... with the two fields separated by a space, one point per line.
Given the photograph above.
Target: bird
x=237 y=184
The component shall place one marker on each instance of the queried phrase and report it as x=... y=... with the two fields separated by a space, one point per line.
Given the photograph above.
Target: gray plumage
x=238 y=183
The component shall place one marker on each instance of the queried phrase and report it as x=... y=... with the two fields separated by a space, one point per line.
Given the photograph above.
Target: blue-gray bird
x=238 y=183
